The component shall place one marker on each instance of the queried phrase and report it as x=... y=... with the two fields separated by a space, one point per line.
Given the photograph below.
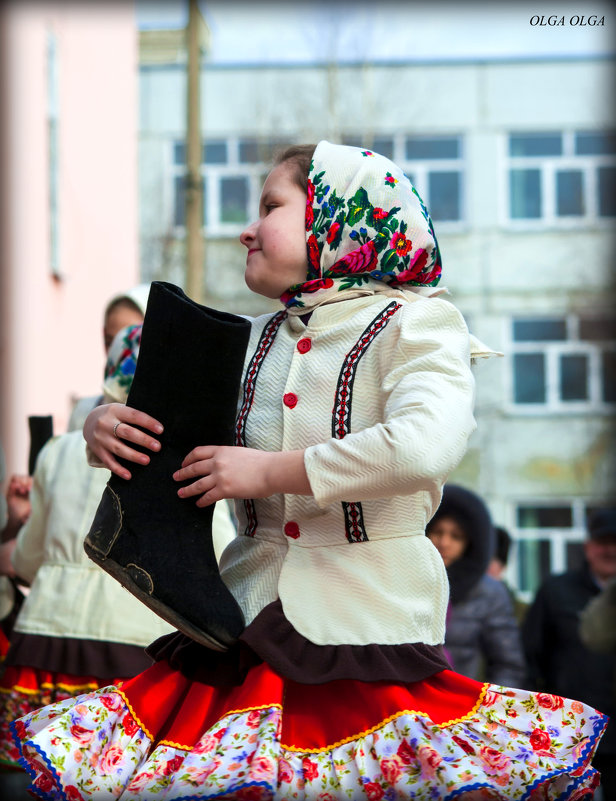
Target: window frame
x=548 y=167
x=552 y=350
x=558 y=537
x=256 y=173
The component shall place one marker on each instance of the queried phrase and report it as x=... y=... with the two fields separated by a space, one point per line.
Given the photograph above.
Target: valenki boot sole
x=122 y=575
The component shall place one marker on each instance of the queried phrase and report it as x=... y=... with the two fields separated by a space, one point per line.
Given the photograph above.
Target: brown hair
x=300 y=158
x=122 y=302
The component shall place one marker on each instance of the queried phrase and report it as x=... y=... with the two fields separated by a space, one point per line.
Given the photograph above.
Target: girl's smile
x=276 y=242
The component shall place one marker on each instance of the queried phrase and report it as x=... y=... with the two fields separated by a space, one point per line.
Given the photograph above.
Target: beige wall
x=51 y=344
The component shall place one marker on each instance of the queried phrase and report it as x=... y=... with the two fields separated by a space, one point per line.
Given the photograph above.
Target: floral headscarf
x=365 y=221
x=121 y=363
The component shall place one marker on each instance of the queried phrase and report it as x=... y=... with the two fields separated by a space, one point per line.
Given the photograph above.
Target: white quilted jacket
x=379 y=393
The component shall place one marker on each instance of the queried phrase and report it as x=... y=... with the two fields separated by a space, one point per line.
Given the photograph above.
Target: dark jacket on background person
x=482 y=635
x=558 y=661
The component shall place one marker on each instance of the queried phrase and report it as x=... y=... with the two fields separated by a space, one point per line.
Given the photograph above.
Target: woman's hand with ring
x=110 y=430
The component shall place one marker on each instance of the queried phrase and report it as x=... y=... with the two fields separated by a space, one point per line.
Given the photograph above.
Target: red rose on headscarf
x=314 y=256
x=44 y=782
x=401 y=244
x=310 y=191
x=72 y=793
x=361 y=260
x=379 y=214
x=413 y=272
x=331 y=234
x=309 y=214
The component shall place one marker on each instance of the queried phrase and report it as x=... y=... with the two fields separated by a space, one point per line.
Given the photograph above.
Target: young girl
x=357 y=404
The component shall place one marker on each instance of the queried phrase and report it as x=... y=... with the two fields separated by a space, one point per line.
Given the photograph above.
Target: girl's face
x=449 y=538
x=276 y=242
x=117 y=319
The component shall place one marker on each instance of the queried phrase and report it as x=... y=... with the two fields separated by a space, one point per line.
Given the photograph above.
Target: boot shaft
x=189 y=369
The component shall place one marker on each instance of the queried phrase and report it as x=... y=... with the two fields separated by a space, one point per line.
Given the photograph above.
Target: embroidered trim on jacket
x=252 y=371
x=341 y=422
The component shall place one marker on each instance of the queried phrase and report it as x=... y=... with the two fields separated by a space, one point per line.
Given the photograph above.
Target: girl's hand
x=18 y=499
x=110 y=427
x=229 y=472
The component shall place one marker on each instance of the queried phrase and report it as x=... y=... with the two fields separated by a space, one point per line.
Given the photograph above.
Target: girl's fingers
x=208 y=498
x=199 y=454
x=201 y=468
x=203 y=485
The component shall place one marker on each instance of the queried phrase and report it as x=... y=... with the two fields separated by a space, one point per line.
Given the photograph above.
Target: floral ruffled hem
x=24 y=690
x=163 y=737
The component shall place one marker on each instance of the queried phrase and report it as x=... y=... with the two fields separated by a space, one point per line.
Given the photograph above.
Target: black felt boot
x=41 y=429
x=156 y=544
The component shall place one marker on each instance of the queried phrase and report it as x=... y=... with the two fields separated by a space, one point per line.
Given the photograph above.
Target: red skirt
x=161 y=735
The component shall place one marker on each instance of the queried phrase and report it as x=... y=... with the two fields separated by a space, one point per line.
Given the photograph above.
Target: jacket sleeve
x=428 y=415
x=30 y=547
x=501 y=642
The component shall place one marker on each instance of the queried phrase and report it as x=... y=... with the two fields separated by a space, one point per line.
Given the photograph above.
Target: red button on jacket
x=291 y=529
x=290 y=400
x=304 y=345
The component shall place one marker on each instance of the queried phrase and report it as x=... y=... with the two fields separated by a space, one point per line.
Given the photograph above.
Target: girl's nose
x=247 y=236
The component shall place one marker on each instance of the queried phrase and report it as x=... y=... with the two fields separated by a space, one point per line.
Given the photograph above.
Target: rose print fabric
x=161 y=736
x=364 y=221
x=24 y=690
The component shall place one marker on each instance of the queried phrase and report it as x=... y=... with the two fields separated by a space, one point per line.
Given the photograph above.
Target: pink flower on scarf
x=412 y=272
x=362 y=260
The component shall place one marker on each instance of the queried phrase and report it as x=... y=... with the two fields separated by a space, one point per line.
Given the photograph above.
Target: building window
x=432 y=163
x=561 y=364
x=561 y=178
x=233 y=172
x=549 y=540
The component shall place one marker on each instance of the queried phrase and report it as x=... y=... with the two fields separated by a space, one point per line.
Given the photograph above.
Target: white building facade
x=516 y=161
